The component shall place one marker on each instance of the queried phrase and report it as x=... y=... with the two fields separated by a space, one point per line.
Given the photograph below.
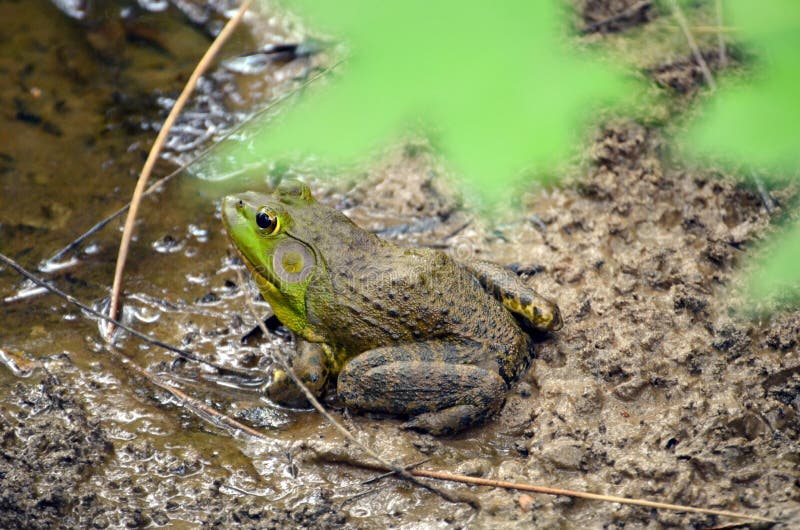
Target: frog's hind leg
x=425 y=380
x=516 y=296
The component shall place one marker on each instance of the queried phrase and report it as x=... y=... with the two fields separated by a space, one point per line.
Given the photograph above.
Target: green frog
x=405 y=331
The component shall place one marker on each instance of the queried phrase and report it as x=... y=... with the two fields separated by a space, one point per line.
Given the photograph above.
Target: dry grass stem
x=723 y=55
x=152 y=157
x=582 y=495
x=698 y=56
x=476 y=481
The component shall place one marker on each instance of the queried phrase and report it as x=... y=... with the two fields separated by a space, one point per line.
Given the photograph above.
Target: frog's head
x=271 y=234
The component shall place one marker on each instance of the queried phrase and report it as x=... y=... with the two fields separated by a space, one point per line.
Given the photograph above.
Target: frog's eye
x=267 y=221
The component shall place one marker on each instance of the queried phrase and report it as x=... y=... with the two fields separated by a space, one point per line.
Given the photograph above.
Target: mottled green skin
x=408 y=332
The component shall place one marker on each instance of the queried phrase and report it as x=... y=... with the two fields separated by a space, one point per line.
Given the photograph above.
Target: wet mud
x=655 y=387
x=608 y=16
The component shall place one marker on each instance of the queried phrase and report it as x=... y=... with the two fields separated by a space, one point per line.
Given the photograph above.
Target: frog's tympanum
x=406 y=331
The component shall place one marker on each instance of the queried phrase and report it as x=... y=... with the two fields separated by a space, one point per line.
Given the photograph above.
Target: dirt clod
x=609 y=16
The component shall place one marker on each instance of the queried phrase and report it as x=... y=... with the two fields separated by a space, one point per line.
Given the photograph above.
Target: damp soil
x=656 y=387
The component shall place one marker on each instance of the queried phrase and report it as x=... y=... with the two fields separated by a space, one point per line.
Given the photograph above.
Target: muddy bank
x=651 y=389
x=51 y=449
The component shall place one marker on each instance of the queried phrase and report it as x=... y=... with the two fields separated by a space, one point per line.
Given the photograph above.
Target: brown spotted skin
x=408 y=332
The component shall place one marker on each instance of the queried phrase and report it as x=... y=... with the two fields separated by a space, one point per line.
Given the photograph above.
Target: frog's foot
x=450 y=420
x=422 y=380
x=309 y=366
x=282 y=390
x=516 y=296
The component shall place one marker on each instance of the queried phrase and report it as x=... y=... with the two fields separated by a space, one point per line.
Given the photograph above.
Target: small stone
x=525 y=502
x=563 y=454
x=475 y=467
x=160 y=518
x=208 y=298
x=630 y=390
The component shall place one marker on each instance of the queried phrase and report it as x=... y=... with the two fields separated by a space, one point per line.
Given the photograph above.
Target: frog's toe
x=448 y=421
x=282 y=390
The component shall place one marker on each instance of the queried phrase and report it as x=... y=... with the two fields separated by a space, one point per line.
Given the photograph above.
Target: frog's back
x=387 y=295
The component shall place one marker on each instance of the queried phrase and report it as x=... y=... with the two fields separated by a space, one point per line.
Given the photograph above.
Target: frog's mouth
x=261 y=274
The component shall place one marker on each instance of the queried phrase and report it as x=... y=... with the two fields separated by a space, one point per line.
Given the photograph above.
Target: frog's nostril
x=240 y=204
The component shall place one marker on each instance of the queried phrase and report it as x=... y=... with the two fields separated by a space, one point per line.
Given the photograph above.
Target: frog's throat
x=291 y=313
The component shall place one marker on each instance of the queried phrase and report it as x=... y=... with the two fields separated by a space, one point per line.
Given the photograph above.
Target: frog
x=399 y=331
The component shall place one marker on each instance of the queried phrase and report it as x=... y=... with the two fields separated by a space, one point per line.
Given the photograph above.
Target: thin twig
x=376 y=479
x=477 y=481
x=698 y=57
x=152 y=157
x=440 y=475
x=71 y=299
x=723 y=55
x=387 y=466
x=361 y=494
x=390 y=473
x=769 y=203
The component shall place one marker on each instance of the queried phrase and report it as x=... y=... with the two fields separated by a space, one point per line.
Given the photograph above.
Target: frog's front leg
x=310 y=365
x=516 y=296
x=431 y=381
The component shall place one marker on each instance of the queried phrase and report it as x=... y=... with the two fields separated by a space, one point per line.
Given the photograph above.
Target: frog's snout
x=233 y=200
x=233 y=210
